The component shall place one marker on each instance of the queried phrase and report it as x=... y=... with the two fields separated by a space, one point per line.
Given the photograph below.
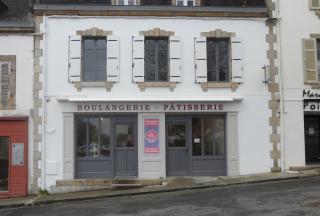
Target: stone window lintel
x=170 y=85
x=80 y=85
x=232 y=85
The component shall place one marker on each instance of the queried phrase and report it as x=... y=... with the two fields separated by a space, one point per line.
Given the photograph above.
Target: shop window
x=94 y=57
x=311 y=60
x=93 y=137
x=4 y=163
x=156 y=59
x=208 y=136
x=177 y=135
x=218 y=59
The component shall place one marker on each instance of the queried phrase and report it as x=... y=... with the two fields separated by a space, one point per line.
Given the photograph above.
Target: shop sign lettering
x=311 y=105
x=169 y=107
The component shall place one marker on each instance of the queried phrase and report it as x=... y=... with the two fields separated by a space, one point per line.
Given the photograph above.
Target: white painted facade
x=246 y=108
x=21 y=46
x=296 y=22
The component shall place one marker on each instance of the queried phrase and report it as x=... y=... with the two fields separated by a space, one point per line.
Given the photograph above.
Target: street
x=290 y=197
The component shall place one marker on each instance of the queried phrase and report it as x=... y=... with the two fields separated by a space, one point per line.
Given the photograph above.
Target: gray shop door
x=125 y=151
x=178 y=142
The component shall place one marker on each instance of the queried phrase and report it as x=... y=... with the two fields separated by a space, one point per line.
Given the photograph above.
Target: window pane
x=214 y=138
x=94 y=133
x=196 y=137
x=120 y=2
x=156 y=59
x=163 y=65
x=190 y=2
x=105 y=137
x=130 y=2
x=125 y=135
x=218 y=59
x=94 y=59
x=223 y=60
x=177 y=135
x=4 y=163
x=180 y=3
x=81 y=127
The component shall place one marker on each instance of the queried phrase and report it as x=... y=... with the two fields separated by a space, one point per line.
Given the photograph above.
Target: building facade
x=16 y=98
x=151 y=89
x=300 y=57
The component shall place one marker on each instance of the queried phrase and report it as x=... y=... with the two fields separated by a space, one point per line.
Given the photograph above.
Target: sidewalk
x=171 y=185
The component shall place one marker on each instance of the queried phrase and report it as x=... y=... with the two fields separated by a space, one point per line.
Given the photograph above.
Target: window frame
x=126 y=3
x=318 y=57
x=185 y=3
x=229 y=55
x=156 y=58
x=83 y=58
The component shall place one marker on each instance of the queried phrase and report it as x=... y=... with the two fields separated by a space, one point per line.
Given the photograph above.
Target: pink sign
x=151 y=136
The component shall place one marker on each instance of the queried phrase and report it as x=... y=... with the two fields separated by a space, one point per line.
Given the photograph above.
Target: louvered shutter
x=237 y=60
x=138 y=58
x=175 y=59
x=200 y=46
x=75 y=58
x=113 y=59
x=314 y=4
x=310 y=60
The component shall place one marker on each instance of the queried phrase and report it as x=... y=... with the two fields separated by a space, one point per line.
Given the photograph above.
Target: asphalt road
x=292 y=197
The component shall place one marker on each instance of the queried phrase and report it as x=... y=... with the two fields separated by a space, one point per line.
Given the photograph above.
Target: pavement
x=170 y=185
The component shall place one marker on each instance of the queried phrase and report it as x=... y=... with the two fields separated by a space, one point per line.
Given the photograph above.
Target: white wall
x=297 y=22
x=22 y=48
x=253 y=115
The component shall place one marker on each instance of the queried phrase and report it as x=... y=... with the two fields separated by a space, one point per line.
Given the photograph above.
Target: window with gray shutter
x=7 y=83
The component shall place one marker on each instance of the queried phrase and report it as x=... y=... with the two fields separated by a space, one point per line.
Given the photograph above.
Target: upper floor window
x=311 y=60
x=218 y=59
x=156 y=59
x=127 y=2
x=156 y=2
x=185 y=2
x=94 y=57
x=94 y=51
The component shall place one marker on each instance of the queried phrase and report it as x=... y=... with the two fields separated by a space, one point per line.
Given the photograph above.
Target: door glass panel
x=196 y=137
x=93 y=147
x=125 y=135
x=177 y=135
x=81 y=128
x=105 y=137
x=214 y=138
x=4 y=163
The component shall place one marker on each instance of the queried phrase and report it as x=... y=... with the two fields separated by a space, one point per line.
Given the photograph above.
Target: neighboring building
x=149 y=89
x=299 y=25
x=16 y=98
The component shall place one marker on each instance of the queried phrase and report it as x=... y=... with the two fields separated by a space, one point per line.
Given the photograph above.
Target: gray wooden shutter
x=175 y=59
x=314 y=4
x=237 y=60
x=310 y=60
x=5 y=85
x=75 y=58
x=200 y=54
x=138 y=58
x=113 y=58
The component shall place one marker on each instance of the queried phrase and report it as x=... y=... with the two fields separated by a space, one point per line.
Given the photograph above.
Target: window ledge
x=80 y=85
x=232 y=85
x=314 y=85
x=143 y=85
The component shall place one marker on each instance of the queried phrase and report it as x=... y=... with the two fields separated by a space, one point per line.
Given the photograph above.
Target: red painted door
x=13 y=157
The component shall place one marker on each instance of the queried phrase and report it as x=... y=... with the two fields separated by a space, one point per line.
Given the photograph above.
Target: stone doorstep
x=303 y=168
x=107 y=182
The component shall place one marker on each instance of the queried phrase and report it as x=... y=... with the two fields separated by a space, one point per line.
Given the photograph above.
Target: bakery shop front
x=150 y=139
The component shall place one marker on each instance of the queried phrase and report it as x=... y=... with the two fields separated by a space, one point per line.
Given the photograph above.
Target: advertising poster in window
x=151 y=136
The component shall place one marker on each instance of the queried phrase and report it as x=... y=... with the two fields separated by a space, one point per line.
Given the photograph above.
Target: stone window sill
x=232 y=85
x=80 y=85
x=144 y=85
